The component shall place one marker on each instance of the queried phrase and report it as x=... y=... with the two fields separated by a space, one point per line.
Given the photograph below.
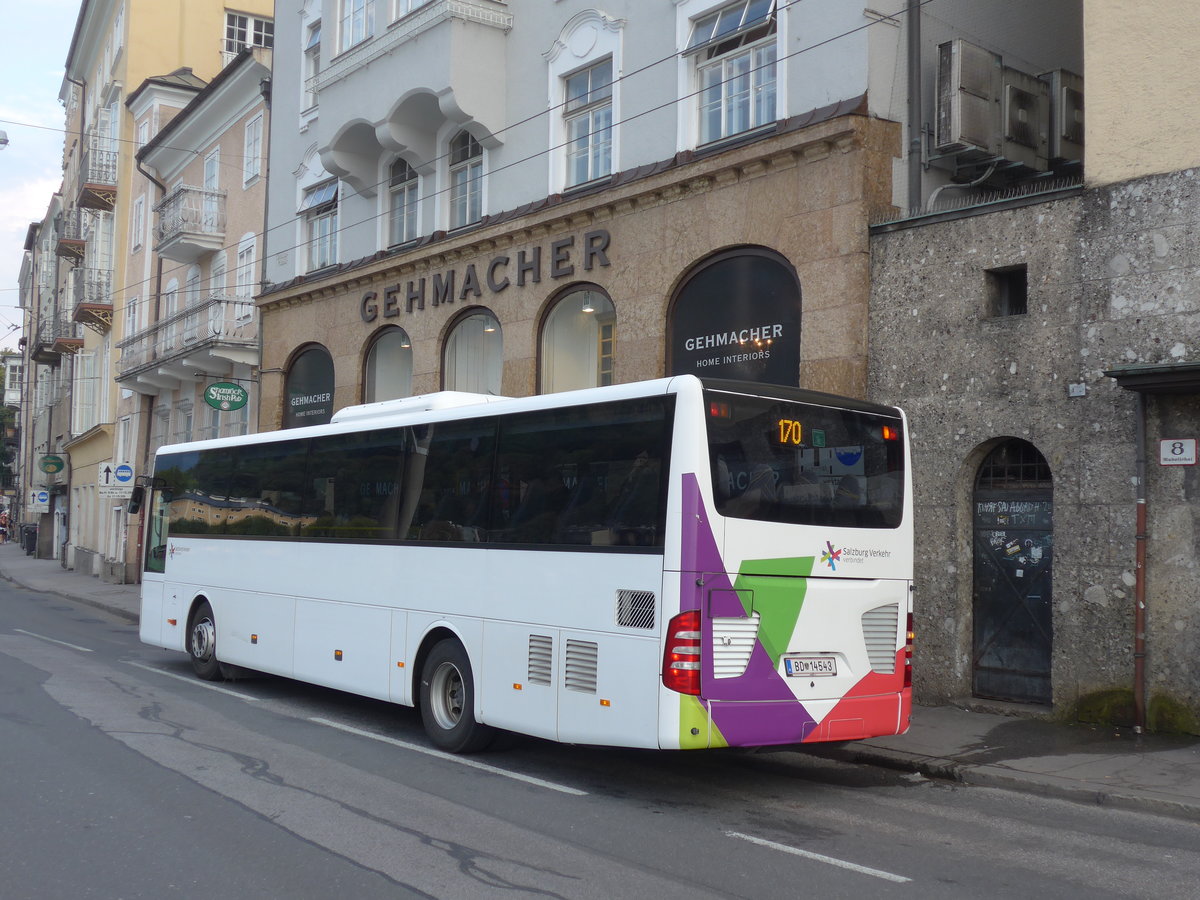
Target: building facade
x=87 y=259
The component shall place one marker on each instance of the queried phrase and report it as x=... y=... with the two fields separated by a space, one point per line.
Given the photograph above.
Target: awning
x=1164 y=378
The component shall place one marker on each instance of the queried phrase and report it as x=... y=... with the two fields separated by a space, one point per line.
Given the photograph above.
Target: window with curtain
x=473 y=358
x=388 y=371
x=578 y=341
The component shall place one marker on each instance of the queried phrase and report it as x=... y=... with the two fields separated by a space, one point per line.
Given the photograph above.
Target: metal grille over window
x=635 y=609
x=733 y=643
x=541 y=658
x=582 y=657
x=879 y=633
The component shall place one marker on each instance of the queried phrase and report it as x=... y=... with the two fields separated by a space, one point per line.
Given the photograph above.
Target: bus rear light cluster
x=681 y=659
x=908 y=648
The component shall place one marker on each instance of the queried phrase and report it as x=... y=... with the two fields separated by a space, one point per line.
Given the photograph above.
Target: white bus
x=675 y=564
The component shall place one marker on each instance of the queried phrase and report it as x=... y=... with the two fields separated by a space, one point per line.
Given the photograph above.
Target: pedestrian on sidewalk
x=4 y=527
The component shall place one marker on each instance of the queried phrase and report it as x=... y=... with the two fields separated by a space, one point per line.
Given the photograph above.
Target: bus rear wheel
x=448 y=700
x=202 y=643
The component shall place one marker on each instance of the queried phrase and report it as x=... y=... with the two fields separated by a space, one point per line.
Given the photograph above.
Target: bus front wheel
x=202 y=643
x=448 y=700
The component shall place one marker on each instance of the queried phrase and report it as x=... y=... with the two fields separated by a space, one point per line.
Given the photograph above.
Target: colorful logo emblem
x=831 y=557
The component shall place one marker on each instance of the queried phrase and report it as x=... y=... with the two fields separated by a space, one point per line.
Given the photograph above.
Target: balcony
x=58 y=336
x=98 y=174
x=203 y=341
x=72 y=241
x=92 y=299
x=191 y=223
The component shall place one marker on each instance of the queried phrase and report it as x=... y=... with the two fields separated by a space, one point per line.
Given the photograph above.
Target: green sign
x=51 y=464
x=225 y=396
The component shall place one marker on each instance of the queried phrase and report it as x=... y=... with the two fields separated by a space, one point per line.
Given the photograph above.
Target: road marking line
x=42 y=637
x=195 y=682
x=841 y=863
x=450 y=757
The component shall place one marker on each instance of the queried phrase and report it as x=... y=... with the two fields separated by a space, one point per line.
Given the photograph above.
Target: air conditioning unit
x=969 y=82
x=1026 y=111
x=987 y=112
x=1066 y=115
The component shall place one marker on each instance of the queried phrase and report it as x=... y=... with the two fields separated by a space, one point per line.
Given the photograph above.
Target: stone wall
x=1113 y=280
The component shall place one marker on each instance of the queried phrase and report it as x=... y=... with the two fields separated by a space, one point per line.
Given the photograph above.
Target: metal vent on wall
x=733 y=643
x=635 y=609
x=541 y=658
x=879 y=633
x=581 y=662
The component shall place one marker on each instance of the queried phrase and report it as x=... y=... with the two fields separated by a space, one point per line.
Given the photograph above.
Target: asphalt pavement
x=1103 y=765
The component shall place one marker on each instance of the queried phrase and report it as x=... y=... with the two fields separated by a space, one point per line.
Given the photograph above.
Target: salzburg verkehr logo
x=831 y=557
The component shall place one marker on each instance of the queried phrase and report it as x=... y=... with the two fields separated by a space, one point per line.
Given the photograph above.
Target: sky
x=38 y=33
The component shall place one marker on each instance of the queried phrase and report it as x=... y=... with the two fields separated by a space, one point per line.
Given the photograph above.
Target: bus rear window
x=785 y=461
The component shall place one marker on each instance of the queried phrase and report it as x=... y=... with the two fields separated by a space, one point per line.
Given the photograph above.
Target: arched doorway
x=1013 y=562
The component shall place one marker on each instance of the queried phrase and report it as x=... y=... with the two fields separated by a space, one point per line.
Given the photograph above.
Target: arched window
x=578 y=342
x=402 y=203
x=388 y=371
x=474 y=355
x=308 y=395
x=466 y=180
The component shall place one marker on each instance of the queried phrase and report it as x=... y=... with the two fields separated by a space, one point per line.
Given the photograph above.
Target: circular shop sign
x=51 y=464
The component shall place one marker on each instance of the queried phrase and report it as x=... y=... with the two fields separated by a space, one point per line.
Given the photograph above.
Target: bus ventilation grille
x=635 y=609
x=581 y=666
x=541 y=658
x=879 y=633
x=733 y=643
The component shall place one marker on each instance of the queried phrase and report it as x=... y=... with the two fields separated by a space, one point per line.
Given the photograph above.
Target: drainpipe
x=914 y=106
x=1139 y=573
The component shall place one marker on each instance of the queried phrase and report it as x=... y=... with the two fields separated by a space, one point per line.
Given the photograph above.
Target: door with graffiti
x=1013 y=568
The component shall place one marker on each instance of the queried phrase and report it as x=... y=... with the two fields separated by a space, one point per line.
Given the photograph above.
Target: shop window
x=308 y=394
x=578 y=342
x=473 y=359
x=388 y=372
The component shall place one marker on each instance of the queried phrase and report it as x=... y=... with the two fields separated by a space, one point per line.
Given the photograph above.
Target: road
x=125 y=777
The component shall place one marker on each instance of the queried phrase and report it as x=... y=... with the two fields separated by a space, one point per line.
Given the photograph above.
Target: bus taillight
x=681 y=659
x=908 y=648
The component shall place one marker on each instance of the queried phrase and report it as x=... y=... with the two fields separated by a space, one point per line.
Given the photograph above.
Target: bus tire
x=448 y=700
x=202 y=643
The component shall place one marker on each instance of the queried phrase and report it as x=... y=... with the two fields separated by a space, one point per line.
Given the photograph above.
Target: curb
x=1005 y=778
x=130 y=617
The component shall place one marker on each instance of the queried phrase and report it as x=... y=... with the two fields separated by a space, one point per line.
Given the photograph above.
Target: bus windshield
x=780 y=460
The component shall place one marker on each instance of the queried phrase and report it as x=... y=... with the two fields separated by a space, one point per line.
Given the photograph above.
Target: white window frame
x=403 y=199
x=253 y=146
x=357 y=21
x=132 y=314
x=465 y=177
x=244 y=30
x=312 y=64
x=588 y=123
x=137 y=225
x=735 y=75
x=320 y=217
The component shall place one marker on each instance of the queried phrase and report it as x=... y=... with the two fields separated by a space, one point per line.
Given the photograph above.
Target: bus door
x=154 y=503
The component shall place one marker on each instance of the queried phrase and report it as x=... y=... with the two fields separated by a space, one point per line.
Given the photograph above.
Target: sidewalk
x=1087 y=763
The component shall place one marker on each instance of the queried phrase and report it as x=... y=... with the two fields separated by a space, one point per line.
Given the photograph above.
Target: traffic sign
x=115 y=480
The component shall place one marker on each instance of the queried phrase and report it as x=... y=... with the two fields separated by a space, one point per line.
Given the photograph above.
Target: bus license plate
x=808 y=666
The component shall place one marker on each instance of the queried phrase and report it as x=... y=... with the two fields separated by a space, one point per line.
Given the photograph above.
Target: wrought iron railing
x=99 y=163
x=190 y=210
x=220 y=319
x=92 y=286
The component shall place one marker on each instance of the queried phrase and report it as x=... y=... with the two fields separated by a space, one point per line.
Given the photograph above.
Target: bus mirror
x=135 y=500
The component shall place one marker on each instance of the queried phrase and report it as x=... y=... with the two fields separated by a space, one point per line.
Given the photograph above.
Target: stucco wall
x=1142 y=89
